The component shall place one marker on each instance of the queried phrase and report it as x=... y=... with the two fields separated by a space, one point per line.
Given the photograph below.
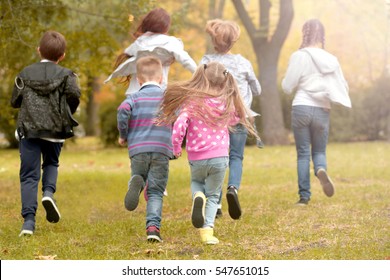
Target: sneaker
x=233 y=203
x=326 y=182
x=259 y=143
x=153 y=234
x=198 y=210
x=136 y=185
x=27 y=228
x=302 y=201
x=219 y=213
x=52 y=213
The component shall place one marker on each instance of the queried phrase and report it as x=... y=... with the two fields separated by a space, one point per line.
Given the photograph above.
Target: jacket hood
x=325 y=62
x=43 y=87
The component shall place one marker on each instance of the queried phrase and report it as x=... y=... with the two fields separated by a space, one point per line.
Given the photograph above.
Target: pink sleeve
x=179 y=131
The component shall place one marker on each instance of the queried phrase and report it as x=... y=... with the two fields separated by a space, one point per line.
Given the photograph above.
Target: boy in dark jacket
x=47 y=95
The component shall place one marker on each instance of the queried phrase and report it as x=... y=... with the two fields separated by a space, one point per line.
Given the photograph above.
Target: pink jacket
x=202 y=140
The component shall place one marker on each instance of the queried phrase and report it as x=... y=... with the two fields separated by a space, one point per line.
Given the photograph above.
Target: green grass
x=354 y=224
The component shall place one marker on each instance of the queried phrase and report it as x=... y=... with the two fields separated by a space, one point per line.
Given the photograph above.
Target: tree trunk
x=274 y=131
x=215 y=11
x=267 y=48
x=92 y=119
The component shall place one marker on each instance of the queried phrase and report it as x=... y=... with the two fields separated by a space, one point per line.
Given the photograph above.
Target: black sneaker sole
x=197 y=217
x=52 y=213
x=233 y=205
x=132 y=195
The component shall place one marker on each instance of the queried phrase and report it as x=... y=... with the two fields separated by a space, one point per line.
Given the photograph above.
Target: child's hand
x=122 y=141
x=177 y=155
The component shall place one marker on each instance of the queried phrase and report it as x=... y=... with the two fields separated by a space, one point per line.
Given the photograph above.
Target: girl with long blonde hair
x=203 y=110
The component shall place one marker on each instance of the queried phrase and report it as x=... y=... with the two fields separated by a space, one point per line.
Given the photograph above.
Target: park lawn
x=353 y=225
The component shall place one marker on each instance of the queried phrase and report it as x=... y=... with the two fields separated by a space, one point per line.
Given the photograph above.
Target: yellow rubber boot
x=207 y=236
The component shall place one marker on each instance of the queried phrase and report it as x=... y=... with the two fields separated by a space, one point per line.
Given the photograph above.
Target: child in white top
x=152 y=39
x=315 y=76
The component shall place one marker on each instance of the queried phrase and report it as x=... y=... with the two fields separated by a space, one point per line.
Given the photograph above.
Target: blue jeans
x=31 y=153
x=311 y=129
x=236 y=156
x=207 y=177
x=154 y=169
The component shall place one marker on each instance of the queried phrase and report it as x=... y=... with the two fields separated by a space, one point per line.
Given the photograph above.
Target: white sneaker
x=326 y=182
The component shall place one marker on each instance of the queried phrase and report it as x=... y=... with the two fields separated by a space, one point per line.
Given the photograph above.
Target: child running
x=47 y=95
x=224 y=34
x=203 y=109
x=149 y=146
x=152 y=39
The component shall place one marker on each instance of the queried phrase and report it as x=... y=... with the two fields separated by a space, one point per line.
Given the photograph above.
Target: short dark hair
x=52 y=45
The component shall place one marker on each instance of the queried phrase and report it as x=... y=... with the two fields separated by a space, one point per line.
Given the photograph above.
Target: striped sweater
x=135 y=120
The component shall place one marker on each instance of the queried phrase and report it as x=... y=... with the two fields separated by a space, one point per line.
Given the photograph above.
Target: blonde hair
x=210 y=80
x=223 y=33
x=149 y=68
x=313 y=32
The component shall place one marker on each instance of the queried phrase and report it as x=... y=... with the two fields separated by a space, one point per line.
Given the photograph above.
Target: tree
x=21 y=25
x=94 y=34
x=215 y=11
x=267 y=48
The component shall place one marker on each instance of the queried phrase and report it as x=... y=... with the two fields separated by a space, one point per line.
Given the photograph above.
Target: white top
x=166 y=48
x=316 y=77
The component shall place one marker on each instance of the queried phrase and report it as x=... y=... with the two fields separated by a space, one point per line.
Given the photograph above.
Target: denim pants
x=31 y=153
x=236 y=156
x=311 y=129
x=154 y=169
x=207 y=176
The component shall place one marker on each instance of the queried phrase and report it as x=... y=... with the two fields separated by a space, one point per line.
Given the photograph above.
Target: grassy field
x=353 y=225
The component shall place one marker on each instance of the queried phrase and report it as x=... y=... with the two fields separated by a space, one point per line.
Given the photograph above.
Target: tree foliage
x=94 y=32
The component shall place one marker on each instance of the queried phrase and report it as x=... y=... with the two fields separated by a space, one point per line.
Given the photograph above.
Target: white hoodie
x=166 y=48
x=316 y=77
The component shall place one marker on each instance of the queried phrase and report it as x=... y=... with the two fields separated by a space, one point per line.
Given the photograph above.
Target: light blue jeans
x=207 y=176
x=311 y=129
x=154 y=169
